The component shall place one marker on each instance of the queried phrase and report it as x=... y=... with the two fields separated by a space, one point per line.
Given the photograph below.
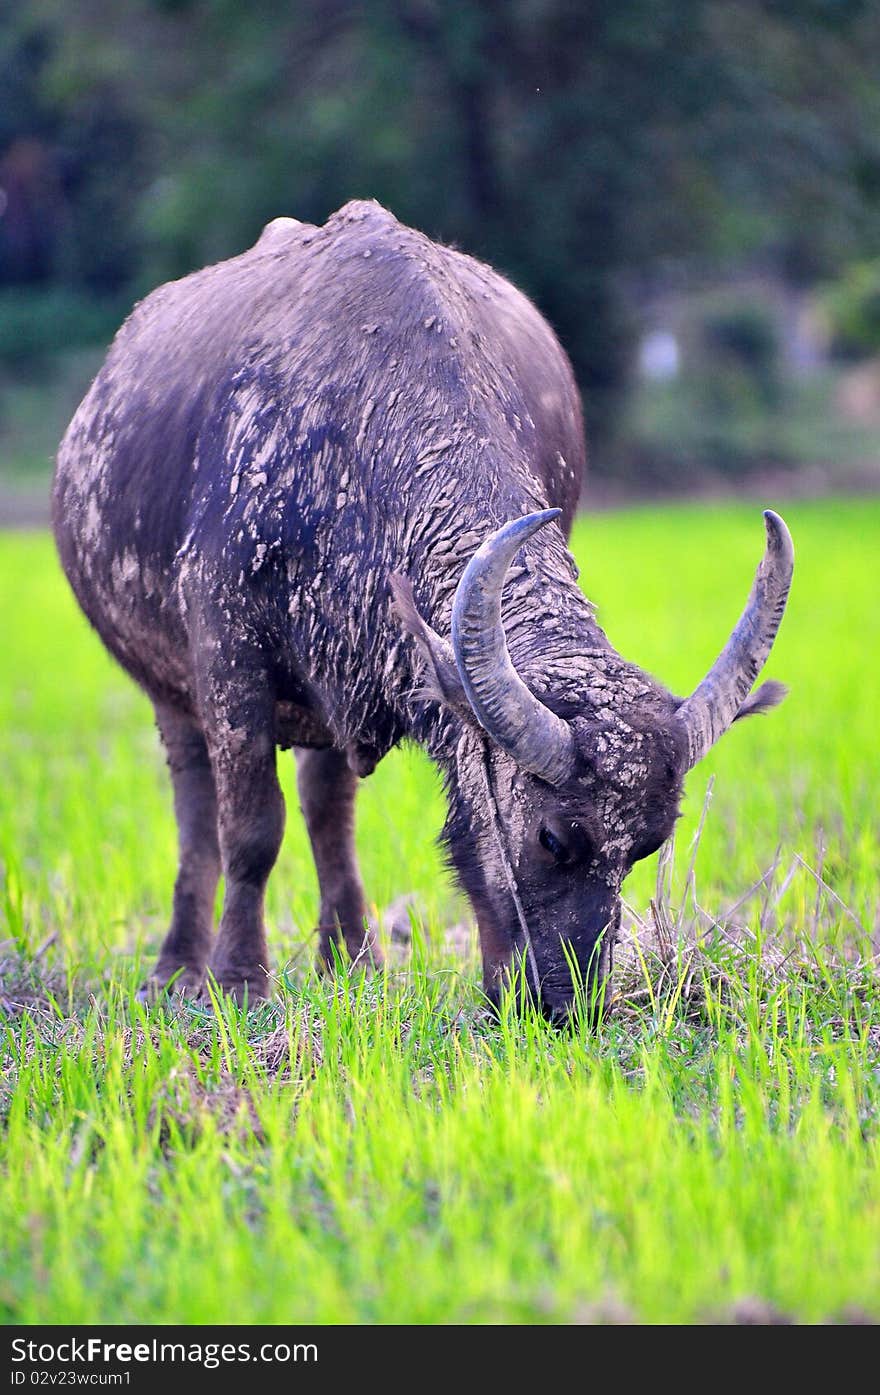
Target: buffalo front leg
x=250 y=817
x=185 y=948
x=327 y=789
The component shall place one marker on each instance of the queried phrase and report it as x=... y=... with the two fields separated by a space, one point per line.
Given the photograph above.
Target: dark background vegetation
x=690 y=190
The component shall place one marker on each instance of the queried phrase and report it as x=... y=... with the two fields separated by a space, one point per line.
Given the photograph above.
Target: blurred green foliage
x=743 y=343
x=37 y=324
x=711 y=428
x=581 y=147
x=852 y=305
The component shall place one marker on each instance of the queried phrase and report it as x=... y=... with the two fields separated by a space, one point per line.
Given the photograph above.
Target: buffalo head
x=553 y=797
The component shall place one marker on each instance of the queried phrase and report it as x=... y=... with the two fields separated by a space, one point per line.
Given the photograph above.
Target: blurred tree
x=68 y=163
x=574 y=144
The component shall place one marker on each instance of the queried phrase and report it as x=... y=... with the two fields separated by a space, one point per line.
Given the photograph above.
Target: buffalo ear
x=440 y=681
x=769 y=695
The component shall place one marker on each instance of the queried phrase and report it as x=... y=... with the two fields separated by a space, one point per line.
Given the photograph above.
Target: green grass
x=376 y=1150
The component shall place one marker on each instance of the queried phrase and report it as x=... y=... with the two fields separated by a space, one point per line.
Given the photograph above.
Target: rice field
x=377 y=1149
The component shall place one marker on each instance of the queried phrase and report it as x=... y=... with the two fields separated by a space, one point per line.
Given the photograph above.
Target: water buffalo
x=318 y=496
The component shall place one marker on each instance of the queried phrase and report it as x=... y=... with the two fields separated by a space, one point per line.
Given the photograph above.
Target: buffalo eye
x=554 y=845
x=566 y=841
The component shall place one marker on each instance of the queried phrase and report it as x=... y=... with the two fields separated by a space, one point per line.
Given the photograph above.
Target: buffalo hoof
x=166 y=981
x=245 y=988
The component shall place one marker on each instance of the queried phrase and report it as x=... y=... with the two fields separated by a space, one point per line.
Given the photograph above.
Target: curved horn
x=535 y=737
x=712 y=706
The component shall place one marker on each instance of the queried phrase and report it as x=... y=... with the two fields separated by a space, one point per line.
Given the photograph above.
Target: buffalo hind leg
x=250 y=810
x=186 y=947
x=327 y=789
